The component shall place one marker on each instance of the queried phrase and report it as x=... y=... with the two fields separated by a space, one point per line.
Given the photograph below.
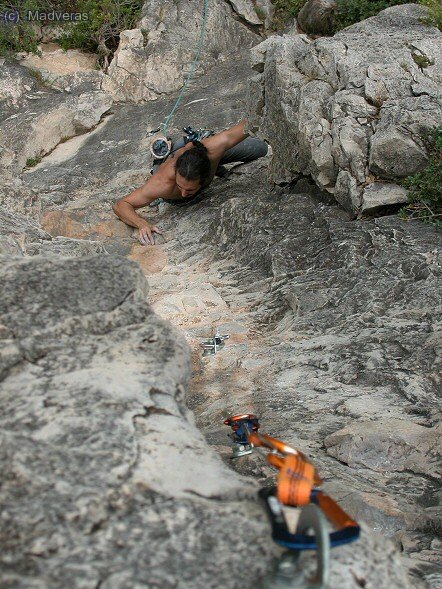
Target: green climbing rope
x=165 y=125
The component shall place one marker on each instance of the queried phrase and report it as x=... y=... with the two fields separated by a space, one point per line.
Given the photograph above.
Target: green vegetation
x=285 y=11
x=348 y=11
x=353 y=11
x=434 y=13
x=20 y=36
x=33 y=161
x=425 y=188
x=99 y=33
x=422 y=61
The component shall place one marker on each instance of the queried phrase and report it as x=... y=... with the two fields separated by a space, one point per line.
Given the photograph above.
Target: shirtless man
x=185 y=173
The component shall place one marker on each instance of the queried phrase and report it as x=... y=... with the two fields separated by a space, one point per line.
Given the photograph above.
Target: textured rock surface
x=35 y=118
x=353 y=107
x=388 y=445
x=333 y=323
x=316 y=16
x=157 y=62
x=93 y=397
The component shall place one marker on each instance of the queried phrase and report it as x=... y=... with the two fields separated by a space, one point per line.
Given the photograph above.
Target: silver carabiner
x=287 y=573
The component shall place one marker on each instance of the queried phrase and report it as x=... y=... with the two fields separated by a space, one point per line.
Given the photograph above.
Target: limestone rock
x=246 y=9
x=20 y=230
x=55 y=60
x=329 y=319
x=147 y=65
x=388 y=445
x=370 y=98
x=396 y=146
x=15 y=82
x=267 y=9
x=316 y=16
x=44 y=119
x=93 y=401
x=347 y=192
x=380 y=194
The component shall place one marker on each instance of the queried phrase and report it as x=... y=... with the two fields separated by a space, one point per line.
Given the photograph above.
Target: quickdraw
x=296 y=487
x=212 y=345
x=242 y=426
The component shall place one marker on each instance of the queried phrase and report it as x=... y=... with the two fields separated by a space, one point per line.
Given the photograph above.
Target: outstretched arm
x=219 y=143
x=235 y=134
x=125 y=210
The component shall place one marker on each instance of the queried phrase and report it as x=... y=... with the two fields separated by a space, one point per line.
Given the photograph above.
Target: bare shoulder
x=163 y=182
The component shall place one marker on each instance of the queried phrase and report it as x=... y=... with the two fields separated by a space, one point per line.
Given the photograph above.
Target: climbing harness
x=161 y=146
x=191 y=135
x=213 y=344
x=296 y=488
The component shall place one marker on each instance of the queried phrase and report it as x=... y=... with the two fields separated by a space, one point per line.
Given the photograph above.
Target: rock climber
x=186 y=172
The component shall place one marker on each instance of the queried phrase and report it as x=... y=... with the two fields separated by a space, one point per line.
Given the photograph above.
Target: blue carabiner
x=281 y=534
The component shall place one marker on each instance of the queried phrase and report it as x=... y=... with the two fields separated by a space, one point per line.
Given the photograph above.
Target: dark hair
x=194 y=164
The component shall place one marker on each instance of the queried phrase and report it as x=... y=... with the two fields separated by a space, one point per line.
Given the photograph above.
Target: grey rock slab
x=15 y=83
x=375 y=105
x=22 y=230
x=397 y=148
x=380 y=194
x=104 y=473
x=144 y=69
x=124 y=162
x=332 y=350
x=267 y=9
x=246 y=9
x=336 y=311
x=42 y=123
x=388 y=445
x=67 y=247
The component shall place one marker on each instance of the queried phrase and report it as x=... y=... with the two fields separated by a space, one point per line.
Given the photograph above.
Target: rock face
x=389 y=445
x=316 y=16
x=107 y=481
x=93 y=397
x=35 y=117
x=155 y=58
x=354 y=107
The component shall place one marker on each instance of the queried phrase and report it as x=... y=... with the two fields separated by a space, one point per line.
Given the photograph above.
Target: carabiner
x=242 y=426
x=287 y=573
x=348 y=530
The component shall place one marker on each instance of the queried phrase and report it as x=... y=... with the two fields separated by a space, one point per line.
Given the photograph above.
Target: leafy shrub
x=22 y=35
x=285 y=11
x=101 y=31
x=352 y=11
x=434 y=13
x=425 y=188
x=347 y=13
x=33 y=161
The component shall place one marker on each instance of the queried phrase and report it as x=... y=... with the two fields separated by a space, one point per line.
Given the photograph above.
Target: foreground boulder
x=354 y=108
x=106 y=481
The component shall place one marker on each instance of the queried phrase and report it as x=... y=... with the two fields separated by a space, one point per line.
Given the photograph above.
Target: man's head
x=192 y=169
